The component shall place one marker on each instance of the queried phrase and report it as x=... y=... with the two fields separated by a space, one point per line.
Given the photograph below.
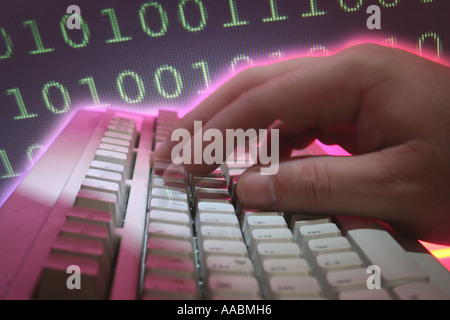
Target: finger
x=336 y=185
x=228 y=92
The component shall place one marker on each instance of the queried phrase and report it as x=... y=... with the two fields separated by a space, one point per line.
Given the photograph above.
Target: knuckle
x=314 y=185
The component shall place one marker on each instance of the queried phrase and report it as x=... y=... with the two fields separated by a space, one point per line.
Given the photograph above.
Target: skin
x=389 y=108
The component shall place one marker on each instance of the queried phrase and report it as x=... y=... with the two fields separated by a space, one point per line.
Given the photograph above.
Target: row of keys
x=86 y=242
x=170 y=261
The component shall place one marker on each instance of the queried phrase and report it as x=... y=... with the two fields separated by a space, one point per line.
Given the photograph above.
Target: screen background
x=144 y=55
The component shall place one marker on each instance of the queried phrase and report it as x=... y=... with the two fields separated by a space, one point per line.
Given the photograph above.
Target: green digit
x=437 y=41
x=31 y=149
x=139 y=83
x=234 y=16
x=274 y=11
x=8 y=44
x=388 y=5
x=7 y=165
x=23 y=113
x=68 y=40
x=162 y=14
x=176 y=75
x=93 y=90
x=203 y=66
x=186 y=25
x=314 y=11
x=238 y=59
x=346 y=8
x=40 y=48
x=111 y=13
x=64 y=94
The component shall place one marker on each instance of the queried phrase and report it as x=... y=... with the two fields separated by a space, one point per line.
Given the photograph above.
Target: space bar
x=379 y=248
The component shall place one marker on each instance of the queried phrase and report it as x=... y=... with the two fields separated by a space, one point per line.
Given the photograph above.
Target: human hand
x=389 y=108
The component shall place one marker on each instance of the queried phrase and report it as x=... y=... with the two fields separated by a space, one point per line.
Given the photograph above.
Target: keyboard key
x=169 y=193
x=214 y=207
x=54 y=278
x=167 y=230
x=171 y=287
x=167 y=265
x=293 y=288
x=365 y=294
x=344 y=280
x=328 y=245
x=228 y=284
x=170 y=217
x=170 y=247
x=379 y=248
x=219 y=233
x=314 y=231
x=217 y=219
x=270 y=235
x=337 y=261
x=98 y=200
x=169 y=205
x=285 y=267
x=222 y=247
x=420 y=291
x=228 y=265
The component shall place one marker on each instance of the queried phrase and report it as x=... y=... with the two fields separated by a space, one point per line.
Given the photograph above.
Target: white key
x=112 y=147
x=170 y=286
x=102 y=185
x=117 y=135
x=214 y=207
x=53 y=279
x=285 y=267
x=338 y=261
x=244 y=214
x=260 y=222
x=343 y=280
x=118 y=142
x=270 y=235
x=170 y=193
x=217 y=219
x=107 y=166
x=102 y=218
x=420 y=291
x=379 y=248
x=300 y=223
x=167 y=230
x=102 y=201
x=90 y=232
x=228 y=284
x=170 y=217
x=87 y=248
x=277 y=251
x=111 y=156
x=328 y=245
x=314 y=231
x=219 y=233
x=365 y=294
x=167 y=265
x=107 y=176
x=170 y=247
x=228 y=265
x=169 y=205
x=293 y=288
x=223 y=247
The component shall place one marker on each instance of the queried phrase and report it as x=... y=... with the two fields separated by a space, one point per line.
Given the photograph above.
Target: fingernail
x=257 y=190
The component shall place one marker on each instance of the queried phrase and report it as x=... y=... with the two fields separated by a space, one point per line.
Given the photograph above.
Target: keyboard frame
x=31 y=217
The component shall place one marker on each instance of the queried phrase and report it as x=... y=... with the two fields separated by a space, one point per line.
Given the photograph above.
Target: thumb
x=368 y=185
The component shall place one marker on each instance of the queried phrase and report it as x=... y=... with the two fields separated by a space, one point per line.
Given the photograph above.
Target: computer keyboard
x=92 y=220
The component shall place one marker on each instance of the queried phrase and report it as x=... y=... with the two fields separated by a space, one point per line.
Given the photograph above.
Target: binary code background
x=145 y=55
